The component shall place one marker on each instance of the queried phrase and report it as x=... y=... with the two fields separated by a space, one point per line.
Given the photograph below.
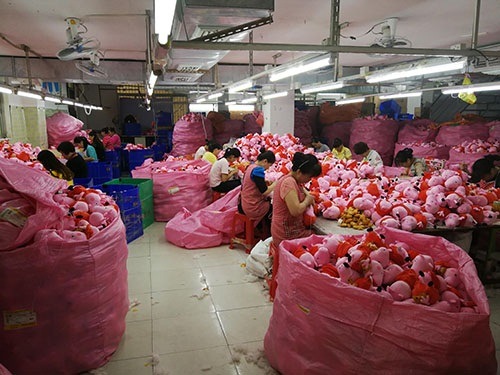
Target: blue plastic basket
x=390 y=108
x=132 y=129
x=125 y=196
x=100 y=169
x=132 y=219
x=137 y=157
x=113 y=156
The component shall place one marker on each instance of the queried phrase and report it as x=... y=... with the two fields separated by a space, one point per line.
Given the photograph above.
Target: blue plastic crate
x=390 y=108
x=125 y=196
x=137 y=157
x=163 y=119
x=159 y=150
x=132 y=129
x=100 y=169
x=113 y=156
x=99 y=181
x=131 y=216
x=134 y=231
x=86 y=181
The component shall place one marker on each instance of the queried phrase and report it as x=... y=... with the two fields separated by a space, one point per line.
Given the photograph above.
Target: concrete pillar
x=279 y=114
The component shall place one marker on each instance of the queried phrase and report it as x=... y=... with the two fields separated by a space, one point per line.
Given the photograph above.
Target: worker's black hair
x=306 y=163
x=360 y=148
x=403 y=156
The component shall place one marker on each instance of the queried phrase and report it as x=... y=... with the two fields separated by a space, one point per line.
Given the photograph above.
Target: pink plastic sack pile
x=253 y=123
x=450 y=135
x=379 y=134
x=494 y=129
x=302 y=128
x=189 y=134
x=207 y=227
x=421 y=130
x=229 y=129
x=340 y=130
x=183 y=185
x=63 y=127
x=64 y=302
x=320 y=323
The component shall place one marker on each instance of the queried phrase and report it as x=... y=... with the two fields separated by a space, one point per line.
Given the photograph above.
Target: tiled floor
x=199 y=312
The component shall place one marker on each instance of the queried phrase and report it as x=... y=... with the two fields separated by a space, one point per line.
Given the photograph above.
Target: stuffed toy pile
x=490 y=146
x=131 y=146
x=20 y=152
x=396 y=270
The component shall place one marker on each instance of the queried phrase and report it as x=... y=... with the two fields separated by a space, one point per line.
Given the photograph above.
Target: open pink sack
x=188 y=136
x=417 y=131
x=208 y=227
x=4 y=371
x=322 y=326
x=62 y=127
x=450 y=135
x=64 y=302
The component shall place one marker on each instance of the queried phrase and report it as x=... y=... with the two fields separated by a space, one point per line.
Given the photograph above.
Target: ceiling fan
x=388 y=38
x=78 y=47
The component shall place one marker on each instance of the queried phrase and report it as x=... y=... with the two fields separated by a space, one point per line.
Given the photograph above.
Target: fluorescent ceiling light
x=331 y=95
x=412 y=72
x=164 y=18
x=241 y=108
x=78 y=104
x=215 y=95
x=230 y=103
x=202 y=107
x=28 y=94
x=151 y=83
x=201 y=100
x=300 y=69
x=249 y=100
x=494 y=86
x=401 y=95
x=52 y=99
x=68 y=102
x=5 y=90
x=96 y=108
x=322 y=87
x=240 y=87
x=198 y=92
x=276 y=95
x=349 y=101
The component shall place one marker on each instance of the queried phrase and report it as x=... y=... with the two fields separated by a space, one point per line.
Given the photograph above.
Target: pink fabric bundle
x=453 y=135
x=63 y=127
x=421 y=130
x=207 y=227
x=189 y=135
x=70 y=295
x=302 y=128
x=356 y=331
x=379 y=134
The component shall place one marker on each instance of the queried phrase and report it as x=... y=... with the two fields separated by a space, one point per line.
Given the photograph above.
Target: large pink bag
x=181 y=188
x=437 y=151
x=207 y=227
x=4 y=371
x=229 y=129
x=189 y=136
x=64 y=302
x=421 y=130
x=340 y=130
x=453 y=135
x=379 y=134
x=302 y=128
x=251 y=123
x=322 y=326
x=459 y=159
x=62 y=127
x=494 y=131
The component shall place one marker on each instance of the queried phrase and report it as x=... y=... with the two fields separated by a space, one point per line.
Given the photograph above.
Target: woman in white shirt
x=369 y=155
x=220 y=177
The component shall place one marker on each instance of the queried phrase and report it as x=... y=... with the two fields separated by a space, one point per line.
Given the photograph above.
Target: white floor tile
x=216 y=360
x=244 y=325
x=237 y=296
x=225 y=275
x=250 y=359
x=136 y=342
x=184 y=333
x=183 y=278
x=218 y=256
x=183 y=302
x=169 y=259
x=139 y=283
x=138 y=249
x=142 y=310
x=138 y=265
x=136 y=366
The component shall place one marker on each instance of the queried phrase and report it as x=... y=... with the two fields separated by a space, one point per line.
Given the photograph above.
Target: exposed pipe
x=233 y=46
x=148 y=37
x=475 y=24
x=28 y=65
x=335 y=34
x=250 y=54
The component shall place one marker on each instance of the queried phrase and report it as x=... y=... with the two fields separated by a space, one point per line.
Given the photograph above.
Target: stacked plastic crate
x=127 y=198
x=145 y=186
x=135 y=158
x=114 y=157
x=100 y=172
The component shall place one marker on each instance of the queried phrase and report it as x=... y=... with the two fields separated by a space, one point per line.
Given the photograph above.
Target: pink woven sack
x=320 y=324
x=188 y=136
x=68 y=296
x=453 y=135
x=422 y=130
x=62 y=127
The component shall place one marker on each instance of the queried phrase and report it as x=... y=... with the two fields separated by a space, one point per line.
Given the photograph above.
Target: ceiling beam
x=237 y=46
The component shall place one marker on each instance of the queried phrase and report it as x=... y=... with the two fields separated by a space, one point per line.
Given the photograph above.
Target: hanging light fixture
x=401 y=95
x=280 y=94
x=300 y=68
x=493 y=86
x=164 y=18
x=350 y=101
x=419 y=70
x=321 y=87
